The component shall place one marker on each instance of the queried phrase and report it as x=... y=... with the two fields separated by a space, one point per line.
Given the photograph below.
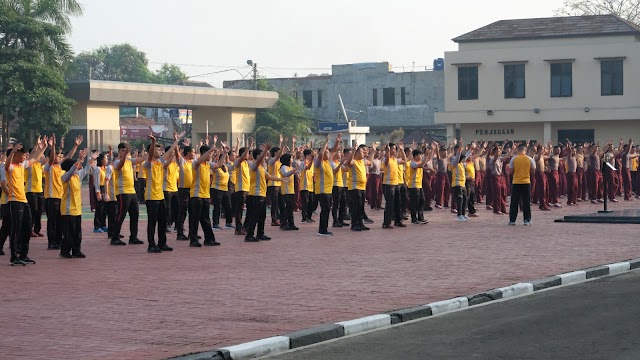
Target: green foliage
x=32 y=48
x=169 y=74
x=122 y=62
x=288 y=117
x=266 y=134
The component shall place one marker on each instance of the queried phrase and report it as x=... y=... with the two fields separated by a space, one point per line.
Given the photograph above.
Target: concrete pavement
x=592 y=320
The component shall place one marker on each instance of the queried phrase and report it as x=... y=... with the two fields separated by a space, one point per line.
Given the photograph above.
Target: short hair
x=188 y=149
x=204 y=149
x=100 y=159
x=122 y=146
x=166 y=148
x=242 y=150
x=307 y=152
x=362 y=146
x=522 y=147
x=8 y=152
x=273 y=151
x=67 y=164
x=407 y=151
x=346 y=150
x=256 y=153
x=416 y=152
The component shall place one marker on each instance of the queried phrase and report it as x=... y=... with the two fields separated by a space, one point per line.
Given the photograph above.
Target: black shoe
x=135 y=242
x=325 y=233
x=356 y=228
x=364 y=228
x=423 y=221
x=153 y=249
x=264 y=238
x=251 y=239
x=117 y=242
x=51 y=247
x=415 y=222
x=26 y=260
x=367 y=221
x=293 y=227
x=182 y=238
x=385 y=226
x=337 y=225
x=17 y=262
x=401 y=225
x=344 y=224
x=428 y=209
x=195 y=244
x=79 y=255
x=66 y=256
x=310 y=221
x=211 y=243
x=285 y=228
x=166 y=248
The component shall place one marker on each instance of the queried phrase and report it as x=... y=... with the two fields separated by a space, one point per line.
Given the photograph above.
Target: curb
x=279 y=344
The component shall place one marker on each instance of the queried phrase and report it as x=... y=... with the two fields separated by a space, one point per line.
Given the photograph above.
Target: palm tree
x=56 y=12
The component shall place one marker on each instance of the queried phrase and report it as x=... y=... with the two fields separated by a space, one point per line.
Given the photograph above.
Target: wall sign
x=495 y=132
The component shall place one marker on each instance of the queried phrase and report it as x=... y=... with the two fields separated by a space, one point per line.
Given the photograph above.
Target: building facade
x=545 y=79
x=372 y=93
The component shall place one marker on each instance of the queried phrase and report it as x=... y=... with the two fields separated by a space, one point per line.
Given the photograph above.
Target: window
x=403 y=96
x=389 y=97
x=577 y=136
x=468 y=83
x=319 y=98
x=375 y=97
x=611 y=77
x=307 y=98
x=561 y=80
x=514 y=81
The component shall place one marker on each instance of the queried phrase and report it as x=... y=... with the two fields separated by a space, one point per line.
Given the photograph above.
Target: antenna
x=344 y=112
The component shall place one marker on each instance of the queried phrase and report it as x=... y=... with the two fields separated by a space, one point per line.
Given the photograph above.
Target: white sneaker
x=511 y=223
x=466 y=217
x=527 y=223
x=461 y=218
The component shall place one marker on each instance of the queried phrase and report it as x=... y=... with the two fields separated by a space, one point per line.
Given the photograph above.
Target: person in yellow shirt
x=185 y=180
x=156 y=164
x=357 y=163
x=220 y=198
x=257 y=196
x=125 y=193
x=273 y=187
x=287 y=191
x=458 y=180
x=170 y=187
x=5 y=230
x=241 y=169
x=99 y=178
x=71 y=205
x=323 y=175
x=339 y=194
x=414 y=183
x=200 y=198
x=34 y=193
x=390 y=182
x=140 y=173
x=306 y=186
x=109 y=197
x=521 y=166
x=15 y=166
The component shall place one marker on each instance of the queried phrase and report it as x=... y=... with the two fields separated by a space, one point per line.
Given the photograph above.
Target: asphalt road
x=593 y=320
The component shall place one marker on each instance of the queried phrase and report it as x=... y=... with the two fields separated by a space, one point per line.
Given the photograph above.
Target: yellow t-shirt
x=521 y=166
x=258 y=181
x=53 y=181
x=155 y=170
x=3 y=177
x=201 y=181
x=358 y=175
x=142 y=171
x=33 y=183
x=185 y=177
x=15 y=182
x=470 y=168
x=124 y=177
x=272 y=168
x=458 y=175
x=390 y=172
x=306 y=178
x=338 y=178
x=170 y=178
x=401 y=172
x=242 y=176
x=634 y=164
x=220 y=179
x=71 y=203
x=102 y=176
x=289 y=187
x=414 y=176
x=323 y=178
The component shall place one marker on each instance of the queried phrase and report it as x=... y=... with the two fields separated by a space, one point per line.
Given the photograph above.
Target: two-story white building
x=545 y=79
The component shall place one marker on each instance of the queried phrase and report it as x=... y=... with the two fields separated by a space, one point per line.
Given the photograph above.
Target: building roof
x=154 y=95
x=549 y=28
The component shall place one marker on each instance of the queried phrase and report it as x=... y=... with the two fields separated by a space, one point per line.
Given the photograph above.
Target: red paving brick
x=122 y=303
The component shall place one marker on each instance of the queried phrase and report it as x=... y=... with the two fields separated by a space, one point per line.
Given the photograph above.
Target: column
x=451 y=133
x=547 y=132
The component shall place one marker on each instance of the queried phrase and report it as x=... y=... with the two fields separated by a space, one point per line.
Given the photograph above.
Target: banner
x=128 y=111
x=326 y=127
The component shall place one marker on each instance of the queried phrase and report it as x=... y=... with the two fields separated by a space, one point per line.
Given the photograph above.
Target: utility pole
x=255 y=76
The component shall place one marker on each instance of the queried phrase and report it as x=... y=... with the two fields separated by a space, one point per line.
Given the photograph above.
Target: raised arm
x=76 y=143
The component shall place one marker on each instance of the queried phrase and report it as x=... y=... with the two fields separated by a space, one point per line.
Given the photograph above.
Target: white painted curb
x=365 y=324
x=440 y=307
x=254 y=349
x=516 y=290
x=573 y=277
x=619 y=268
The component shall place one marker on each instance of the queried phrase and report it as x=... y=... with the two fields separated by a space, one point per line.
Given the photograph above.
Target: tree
x=626 y=9
x=169 y=74
x=122 y=62
x=288 y=117
x=32 y=49
x=56 y=12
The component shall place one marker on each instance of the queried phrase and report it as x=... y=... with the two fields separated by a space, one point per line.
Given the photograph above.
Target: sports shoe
x=135 y=242
x=337 y=225
x=229 y=226
x=17 y=262
x=182 y=238
x=264 y=238
x=154 y=249
x=511 y=223
x=216 y=228
x=79 y=255
x=211 y=243
x=251 y=239
x=165 y=247
x=104 y=229
x=461 y=218
x=195 y=244
x=326 y=233
x=466 y=217
x=364 y=228
x=384 y=226
x=26 y=260
x=117 y=242
x=438 y=206
x=399 y=224
x=293 y=227
x=367 y=221
x=98 y=231
x=527 y=223
x=66 y=256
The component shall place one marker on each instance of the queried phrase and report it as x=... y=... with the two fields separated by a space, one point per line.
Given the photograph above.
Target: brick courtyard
x=122 y=303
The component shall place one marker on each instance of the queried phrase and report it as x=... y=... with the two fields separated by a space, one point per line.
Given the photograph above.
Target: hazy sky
x=289 y=36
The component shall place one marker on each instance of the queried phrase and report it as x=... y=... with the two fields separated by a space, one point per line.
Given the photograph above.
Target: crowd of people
x=179 y=182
